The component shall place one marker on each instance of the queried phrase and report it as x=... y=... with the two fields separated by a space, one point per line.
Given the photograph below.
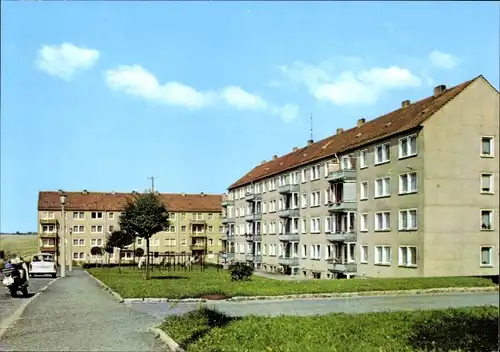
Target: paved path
x=9 y=305
x=75 y=314
x=324 y=306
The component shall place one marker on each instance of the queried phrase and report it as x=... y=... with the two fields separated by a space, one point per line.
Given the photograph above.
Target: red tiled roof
x=49 y=200
x=393 y=123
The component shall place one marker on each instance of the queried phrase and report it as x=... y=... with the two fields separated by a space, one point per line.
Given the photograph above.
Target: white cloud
x=363 y=86
x=443 y=60
x=137 y=81
x=65 y=59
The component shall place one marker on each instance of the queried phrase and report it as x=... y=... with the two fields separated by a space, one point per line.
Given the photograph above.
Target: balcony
x=47 y=249
x=227 y=236
x=342 y=267
x=47 y=235
x=226 y=201
x=250 y=237
x=342 y=236
x=342 y=206
x=249 y=257
x=197 y=222
x=253 y=217
x=288 y=261
x=197 y=247
x=227 y=220
x=251 y=197
x=257 y=258
x=285 y=189
x=227 y=255
x=198 y=234
x=289 y=213
x=48 y=221
x=288 y=236
x=342 y=175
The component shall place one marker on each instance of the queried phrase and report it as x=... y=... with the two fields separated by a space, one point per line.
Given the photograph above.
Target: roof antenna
x=311 y=141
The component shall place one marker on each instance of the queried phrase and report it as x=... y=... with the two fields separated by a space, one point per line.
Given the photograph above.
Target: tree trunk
x=120 y=261
x=147 y=259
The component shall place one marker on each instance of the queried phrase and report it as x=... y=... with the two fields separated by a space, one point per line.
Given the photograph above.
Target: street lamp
x=62 y=199
x=70 y=248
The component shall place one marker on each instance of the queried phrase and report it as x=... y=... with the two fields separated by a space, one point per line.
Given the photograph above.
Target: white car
x=42 y=264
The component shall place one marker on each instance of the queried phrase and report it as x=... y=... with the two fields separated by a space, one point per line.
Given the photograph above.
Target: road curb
x=321 y=295
x=7 y=323
x=107 y=288
x=174 y=346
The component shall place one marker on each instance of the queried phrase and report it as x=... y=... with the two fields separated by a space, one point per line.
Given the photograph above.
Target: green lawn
x=190 y=284
x=465 y=329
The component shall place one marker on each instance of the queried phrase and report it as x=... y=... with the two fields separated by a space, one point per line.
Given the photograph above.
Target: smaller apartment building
x=89 y=217
x=411 y=193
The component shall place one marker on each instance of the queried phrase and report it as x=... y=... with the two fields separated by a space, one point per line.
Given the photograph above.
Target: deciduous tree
x=120 y=239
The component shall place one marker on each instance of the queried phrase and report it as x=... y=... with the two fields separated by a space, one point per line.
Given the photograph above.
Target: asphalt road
x=303 y=307
x=9 y=305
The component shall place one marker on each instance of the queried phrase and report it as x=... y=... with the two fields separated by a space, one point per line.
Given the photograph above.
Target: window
x=363 y=223
x=363 y=159
x=221 y=229
x=345 y=162
x=364 y=254
x=383 y=221
x=183 y=228
x=78 y=229
x=303 y=226
x=315 y=173
x=487 y=183
x=96 y=228
x=303 y=200
x=155 y=242
x=96 y=242
x=111 y=216
x=49 y=215
x=383 y=255
x=315 y=251
x=486 y=256
x=315 y=225
x=304 y=251
x=408 y=219
x=364 y=190
x=78 y=215
x=407 y=256
x=111 y=228
x=210 y=216
x=48 y=228
x=382 y=153
x=408 y=146
x=183 y=216
x=47 y=242
x=183 y=242
x=78 y=256
x=487 y=146
x=140 y=242
x=408 y=183
x=328 y=224
x=171 y=216
x=486 y=220
x=304 y=175
x=78 y=242
x=96 y=215
x=211 y=229
x=315 y=198
x=383 y=187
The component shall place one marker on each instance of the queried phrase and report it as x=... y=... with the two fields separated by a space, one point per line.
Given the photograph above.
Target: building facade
x=89 y=217
x=409 y=194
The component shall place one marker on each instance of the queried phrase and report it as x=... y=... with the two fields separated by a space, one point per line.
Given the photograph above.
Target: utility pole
x=152 y=178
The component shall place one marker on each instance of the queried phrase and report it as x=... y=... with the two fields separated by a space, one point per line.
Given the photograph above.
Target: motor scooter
x=16 y=280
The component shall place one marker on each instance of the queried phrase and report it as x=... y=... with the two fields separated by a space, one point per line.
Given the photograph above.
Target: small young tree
x=96 y=252
x=144 y=216
x=139 y=252
x=120 y=239
x=110 y=250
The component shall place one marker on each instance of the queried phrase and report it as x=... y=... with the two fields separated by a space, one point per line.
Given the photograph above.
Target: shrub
x=139 y=252
x=240 y=271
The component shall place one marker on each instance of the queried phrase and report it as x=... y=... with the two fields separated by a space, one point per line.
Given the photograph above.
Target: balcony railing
x=342 y=205
x=197 y=222
x=227 y=220
x=47 y=249
x=285 y=189
x=48 y=221
x=342 y=236
x=226 y=201
x=288 y=236
x=47 y=235
x=249 y=257
x=227 y=236
x=342 y=175
x=342 y=267
x=253 y=217
x=289 y=213
x=250 y=197
x=227 y=255
x=198 y=234
x=197 y=247
x=250 y=237
x=288 y=261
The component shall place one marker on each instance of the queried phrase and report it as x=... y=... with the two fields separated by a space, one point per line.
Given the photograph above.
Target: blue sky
x=101 y=95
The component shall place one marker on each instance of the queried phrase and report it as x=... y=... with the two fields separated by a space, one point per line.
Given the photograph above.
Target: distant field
x=23 y=245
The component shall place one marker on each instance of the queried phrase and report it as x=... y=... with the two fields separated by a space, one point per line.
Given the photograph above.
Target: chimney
x=275 y=157
x=85 y=191
x=340 y=130
x=361 y=122
x=405 y=103
x=60 y=191
x=295 y=149
x=263 y=162
x=439 y=89
x=309 y=142
x=183 y=194
x=202 y=194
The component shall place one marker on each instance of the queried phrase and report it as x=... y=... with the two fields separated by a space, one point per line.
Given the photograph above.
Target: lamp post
x=62 y=198
x=70 y=249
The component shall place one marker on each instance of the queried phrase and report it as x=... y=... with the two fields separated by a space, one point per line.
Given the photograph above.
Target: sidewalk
x=75 y=314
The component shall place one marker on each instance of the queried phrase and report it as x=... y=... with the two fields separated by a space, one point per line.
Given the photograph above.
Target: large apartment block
x=195 y=224
x=410 y=193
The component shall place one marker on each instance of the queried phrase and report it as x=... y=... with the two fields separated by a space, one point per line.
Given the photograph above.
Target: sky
x=99 y=95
